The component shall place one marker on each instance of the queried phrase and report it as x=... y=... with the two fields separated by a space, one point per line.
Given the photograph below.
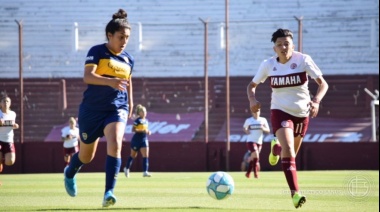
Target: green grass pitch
x=185 y=191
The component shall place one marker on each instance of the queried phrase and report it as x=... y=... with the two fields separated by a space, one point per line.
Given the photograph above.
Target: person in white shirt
x=7 y=125
x=291 y=104
x=255 y=127
x=70 y=138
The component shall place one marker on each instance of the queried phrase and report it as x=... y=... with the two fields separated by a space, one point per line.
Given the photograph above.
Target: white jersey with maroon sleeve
x=6 y=129
x=289 y=82
x=254 y=126
x=73 y=142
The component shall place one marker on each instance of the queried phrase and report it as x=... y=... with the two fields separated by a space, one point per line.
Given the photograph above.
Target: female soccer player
x=255 y=127
x=107 y=104
x=291 y=104
x=70 y=138
x=139 y=141
x=7 y=125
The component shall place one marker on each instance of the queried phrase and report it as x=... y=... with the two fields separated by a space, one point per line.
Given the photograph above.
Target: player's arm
x=321 y=92
x=15 y=126
x=254 y=105
x=246 y=130
x=91 y=77
x=130 y=97
x=265 y=128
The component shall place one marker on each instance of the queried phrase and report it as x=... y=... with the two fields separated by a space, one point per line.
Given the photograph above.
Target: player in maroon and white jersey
x=255 y=127
x=7 y=125
x=291 y=103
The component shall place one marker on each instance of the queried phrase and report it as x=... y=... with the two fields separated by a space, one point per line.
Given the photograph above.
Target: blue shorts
x=92 y=123
x=137 y=144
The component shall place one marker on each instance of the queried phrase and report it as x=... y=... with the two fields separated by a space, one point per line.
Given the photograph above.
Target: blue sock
x=129 y=162
x=74 y=167
x=145 y=164
x=112 y=170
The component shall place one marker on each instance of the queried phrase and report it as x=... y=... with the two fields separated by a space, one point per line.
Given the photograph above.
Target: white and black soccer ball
x=220 y=185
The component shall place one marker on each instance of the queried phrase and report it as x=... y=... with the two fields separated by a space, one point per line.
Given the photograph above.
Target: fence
x=345 y=45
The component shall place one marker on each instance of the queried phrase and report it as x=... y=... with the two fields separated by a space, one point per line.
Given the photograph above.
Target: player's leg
x=68 y=154
x=114 y=133
x=243 y=166
x=145 y=154
x=131 y=157
x=84 y=156
x=297 y=143
x=256 y=160
x=9 y=152
x=1 y=161
x=277 y=119
x=66 y=158
x=288 y=163
x=275 y=152
x=250 y=147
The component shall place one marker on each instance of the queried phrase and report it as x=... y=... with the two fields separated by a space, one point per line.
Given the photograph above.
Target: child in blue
x=139 y=141
x=106 y=105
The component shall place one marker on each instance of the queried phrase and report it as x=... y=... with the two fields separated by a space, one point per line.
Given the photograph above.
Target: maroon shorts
x=253 y=146
x=6 y=147
x=280 y=119
x=70 y=151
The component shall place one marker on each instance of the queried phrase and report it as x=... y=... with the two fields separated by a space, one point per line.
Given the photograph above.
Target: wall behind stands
x=42 y=157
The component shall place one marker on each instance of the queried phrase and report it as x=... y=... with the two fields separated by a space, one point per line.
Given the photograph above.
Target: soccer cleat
x=273 y=159
x=146 y=174
x=70 y=184
x=126 y=172
x=256 y=175
x=109 y=199
x=298 y=200
x=248 y=175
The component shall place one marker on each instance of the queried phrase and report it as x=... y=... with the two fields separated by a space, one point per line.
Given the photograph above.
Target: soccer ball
x=220 y=185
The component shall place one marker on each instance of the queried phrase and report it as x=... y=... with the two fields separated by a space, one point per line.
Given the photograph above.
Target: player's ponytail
x=121 y=14
x=119 y=22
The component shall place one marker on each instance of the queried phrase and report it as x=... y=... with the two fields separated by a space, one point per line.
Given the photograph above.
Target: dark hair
x=281 y=33
x=119 y=22
x=3 y=97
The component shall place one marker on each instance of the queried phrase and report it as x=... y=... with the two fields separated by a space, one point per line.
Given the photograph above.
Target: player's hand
x=119 y=84
x=313 y=108
x=130 y=114
x=254 y=106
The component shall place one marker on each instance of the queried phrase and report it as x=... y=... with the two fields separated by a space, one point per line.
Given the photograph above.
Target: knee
x=86 y=158
x=9 y=162
x=287 y=149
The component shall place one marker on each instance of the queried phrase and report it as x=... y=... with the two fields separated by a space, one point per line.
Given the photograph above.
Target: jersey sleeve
x=311 y=68
x=265 y=122
x=246 y=124
x=63 y=132
x=262 y=73
x=93 y=57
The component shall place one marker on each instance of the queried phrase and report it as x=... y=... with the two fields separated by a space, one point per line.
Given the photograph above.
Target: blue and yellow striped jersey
x=108 y=64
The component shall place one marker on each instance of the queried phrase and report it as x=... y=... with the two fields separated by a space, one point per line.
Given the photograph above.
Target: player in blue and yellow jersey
x=106 y=105
x=139 y=141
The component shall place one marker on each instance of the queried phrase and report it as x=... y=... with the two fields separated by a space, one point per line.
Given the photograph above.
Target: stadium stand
x=172 y=35
x=43 y=99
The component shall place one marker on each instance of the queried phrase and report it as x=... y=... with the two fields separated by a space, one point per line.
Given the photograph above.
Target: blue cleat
x=70 y=184
x=109 y=199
